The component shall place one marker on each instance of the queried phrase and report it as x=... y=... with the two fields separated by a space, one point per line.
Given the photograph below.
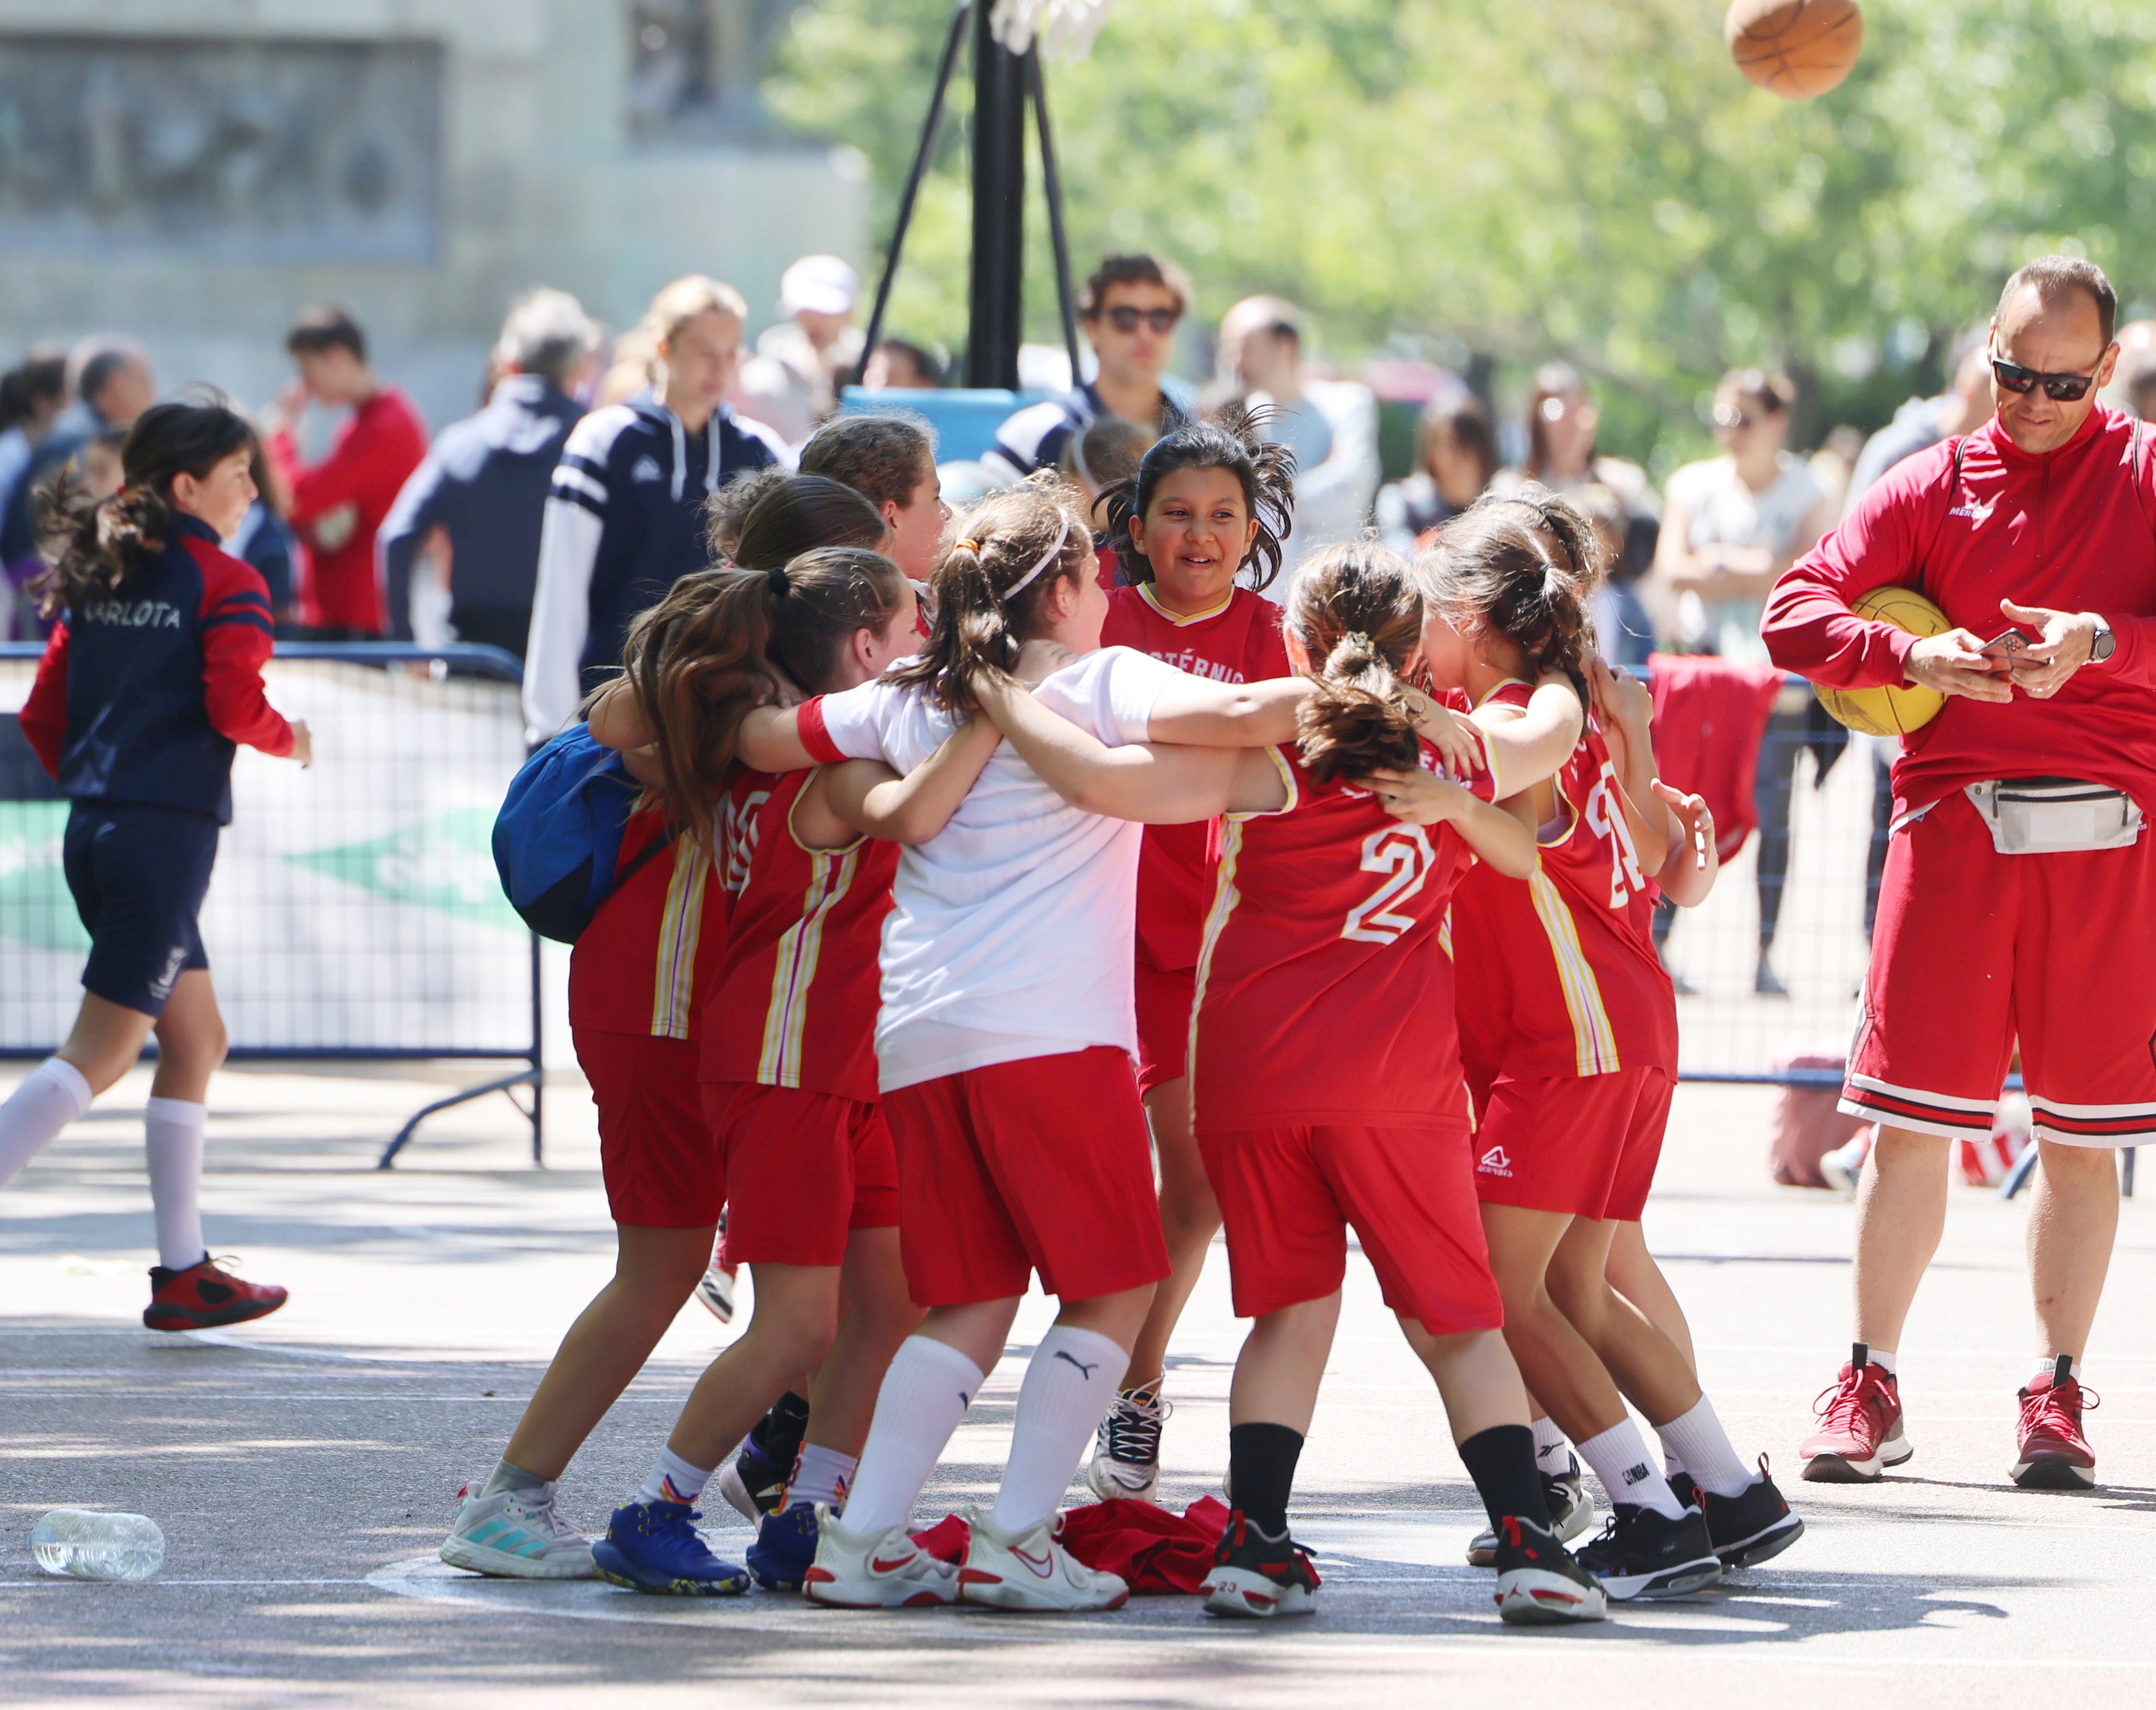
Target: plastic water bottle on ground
x=82 y=1543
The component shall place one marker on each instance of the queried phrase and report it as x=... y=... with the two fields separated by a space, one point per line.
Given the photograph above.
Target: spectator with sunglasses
x=1129 y=309
x=2018 y=900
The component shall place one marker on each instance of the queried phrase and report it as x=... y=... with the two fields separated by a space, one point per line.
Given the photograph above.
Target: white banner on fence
x=355 y=904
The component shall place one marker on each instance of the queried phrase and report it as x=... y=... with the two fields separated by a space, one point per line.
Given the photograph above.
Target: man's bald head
x=2055 y=281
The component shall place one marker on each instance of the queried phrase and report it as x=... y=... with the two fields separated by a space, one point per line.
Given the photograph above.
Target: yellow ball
x=1897 y=710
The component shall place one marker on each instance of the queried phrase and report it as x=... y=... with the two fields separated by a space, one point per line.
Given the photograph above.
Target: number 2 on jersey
x=1605 y=819
x=1403 y=852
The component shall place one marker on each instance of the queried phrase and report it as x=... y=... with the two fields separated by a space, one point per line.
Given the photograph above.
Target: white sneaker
x=516 y=1535
x=1125 y=1460
x=716 y=1291
x=1032 y=1572
x=860 y=1570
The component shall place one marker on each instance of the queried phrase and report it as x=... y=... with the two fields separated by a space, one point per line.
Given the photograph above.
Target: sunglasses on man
x=1125 y=319
x=2059 y=388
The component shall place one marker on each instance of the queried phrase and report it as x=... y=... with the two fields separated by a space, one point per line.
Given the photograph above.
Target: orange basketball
x=1794 y=49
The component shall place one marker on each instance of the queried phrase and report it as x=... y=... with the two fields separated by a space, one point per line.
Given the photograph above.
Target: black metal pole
x=921 y=157
x=1051 y=182
x=997 y=296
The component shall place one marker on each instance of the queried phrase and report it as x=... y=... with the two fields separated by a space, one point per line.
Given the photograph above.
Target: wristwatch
x=2103 y=644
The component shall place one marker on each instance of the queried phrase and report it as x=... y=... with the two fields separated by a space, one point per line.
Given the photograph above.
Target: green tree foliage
x=1552 y=176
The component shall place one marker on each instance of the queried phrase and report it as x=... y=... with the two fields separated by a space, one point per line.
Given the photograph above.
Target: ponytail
x=989 y=582
x=1492 y=572
x=721 y=642
x=1356 y=614
x=96 y=545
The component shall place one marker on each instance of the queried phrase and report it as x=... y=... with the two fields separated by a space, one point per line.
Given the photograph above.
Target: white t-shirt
x=1012 y=933
x=1726 y=512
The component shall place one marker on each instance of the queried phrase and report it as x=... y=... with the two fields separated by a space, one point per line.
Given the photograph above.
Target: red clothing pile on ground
x=1709 y=716
x=2073 y=530
x=339 y=503
x=1151 y=1550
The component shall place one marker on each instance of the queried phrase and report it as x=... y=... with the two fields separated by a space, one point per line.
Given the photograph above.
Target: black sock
x=1501 y=1462
x=777 y=1436
x=1262 y=1472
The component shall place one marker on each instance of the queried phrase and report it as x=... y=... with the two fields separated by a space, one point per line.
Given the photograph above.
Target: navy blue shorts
x=138 y=874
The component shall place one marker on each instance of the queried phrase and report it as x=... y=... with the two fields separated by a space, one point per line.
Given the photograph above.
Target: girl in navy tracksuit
x=150 y=680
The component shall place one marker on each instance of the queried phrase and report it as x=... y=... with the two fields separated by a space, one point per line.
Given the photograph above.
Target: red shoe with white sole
x=2055 y=1456
x=1860 y=1434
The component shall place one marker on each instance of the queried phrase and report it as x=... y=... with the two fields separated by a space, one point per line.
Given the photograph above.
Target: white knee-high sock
x=52 y=1095
x=925 y=1393
x=1621 y=1460
x=173 y=1135
x=1697 y=1440
x=1069 y=1383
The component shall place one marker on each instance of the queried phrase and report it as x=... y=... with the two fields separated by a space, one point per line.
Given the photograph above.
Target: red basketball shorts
x=1974 y=950
x=802 y=1170
x=1163 y=1010
x=661 y=1167
x=1585 y=1144
x=1289 y=1196
x=1042 y=1164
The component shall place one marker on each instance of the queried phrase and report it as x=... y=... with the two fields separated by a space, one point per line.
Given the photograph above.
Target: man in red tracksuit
x=2019 y=897
x=339 y=504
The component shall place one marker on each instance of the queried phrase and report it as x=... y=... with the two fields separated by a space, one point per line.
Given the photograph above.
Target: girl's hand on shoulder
x=1619 y=697
x=303 y=744
x=1453 y=737
x=1419 y=796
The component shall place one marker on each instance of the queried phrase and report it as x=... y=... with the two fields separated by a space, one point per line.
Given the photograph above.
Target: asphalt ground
x=302 y=1468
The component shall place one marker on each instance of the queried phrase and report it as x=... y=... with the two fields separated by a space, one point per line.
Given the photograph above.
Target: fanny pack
x=2054 y=815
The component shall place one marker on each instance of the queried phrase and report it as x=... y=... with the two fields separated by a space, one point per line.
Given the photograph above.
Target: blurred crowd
x=574 y=493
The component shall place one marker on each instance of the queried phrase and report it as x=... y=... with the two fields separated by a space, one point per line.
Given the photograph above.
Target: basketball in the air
x=1794 y=49
x=1897 y=710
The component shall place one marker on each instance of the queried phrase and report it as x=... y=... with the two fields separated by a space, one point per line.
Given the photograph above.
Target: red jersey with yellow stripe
x=1238 y=641
x=1324 y=992
x=796 y=998
x=649 y=962
x=1557 y=974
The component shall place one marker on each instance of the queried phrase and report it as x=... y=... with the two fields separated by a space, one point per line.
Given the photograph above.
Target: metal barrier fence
x=354 y=914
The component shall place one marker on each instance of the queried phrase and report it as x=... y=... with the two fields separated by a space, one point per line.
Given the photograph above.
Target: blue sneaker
x=785 y=1548
x=654 y=1546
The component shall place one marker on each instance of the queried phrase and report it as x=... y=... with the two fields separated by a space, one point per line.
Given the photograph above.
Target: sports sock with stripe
x=1501 y=1462
x=925 y=1393
x=52 y=1095
x=673 y=1479
x=1621 y=1460
x=1070 y=1382
x=1261 y=1462
x=172 y=1136
x=819 y=1474
x=1697 y=1440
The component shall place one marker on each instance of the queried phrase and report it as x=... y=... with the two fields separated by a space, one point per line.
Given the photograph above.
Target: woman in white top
x=1730 y=526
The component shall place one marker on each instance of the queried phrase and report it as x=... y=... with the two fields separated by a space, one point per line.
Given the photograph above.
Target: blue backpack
x=557 y=837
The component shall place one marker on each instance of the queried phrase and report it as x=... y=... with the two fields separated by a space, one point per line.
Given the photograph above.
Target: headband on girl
x=1047 y=558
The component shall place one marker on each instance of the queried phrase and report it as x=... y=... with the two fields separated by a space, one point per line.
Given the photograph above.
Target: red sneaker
x=2055 y=1456
x=202 y=1296
x=1860 y=1434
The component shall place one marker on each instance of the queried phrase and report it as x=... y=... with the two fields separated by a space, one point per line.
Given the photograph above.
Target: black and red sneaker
x=202 y=1296
x=1257 y=1575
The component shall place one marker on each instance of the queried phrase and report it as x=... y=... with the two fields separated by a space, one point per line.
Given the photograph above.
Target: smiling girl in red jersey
x=1207 y=505
x=1324 y=1076
x=1568 y=1027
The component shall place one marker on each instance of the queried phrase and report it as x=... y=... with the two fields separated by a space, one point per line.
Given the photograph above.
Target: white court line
x=69 y=1578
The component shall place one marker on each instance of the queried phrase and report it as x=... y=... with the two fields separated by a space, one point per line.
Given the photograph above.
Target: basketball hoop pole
x=1002 y=82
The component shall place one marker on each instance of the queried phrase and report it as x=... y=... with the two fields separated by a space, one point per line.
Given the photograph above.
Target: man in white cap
x=791 y=384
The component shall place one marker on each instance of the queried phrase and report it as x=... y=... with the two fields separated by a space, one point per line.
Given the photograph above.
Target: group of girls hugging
x=943 y=840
